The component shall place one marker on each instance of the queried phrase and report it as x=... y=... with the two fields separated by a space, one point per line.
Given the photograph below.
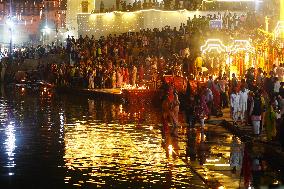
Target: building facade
x=32 y=20
x=74 y=7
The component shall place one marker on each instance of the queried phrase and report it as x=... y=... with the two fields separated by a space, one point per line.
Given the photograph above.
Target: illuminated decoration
x=211 y=1
x=282 y=10
x=133 y=87
x=103 y=24
x=279 y=30
x=73 y=9
x=238 y=0
x=217 y=44
x=241 y=45
x=213 y=44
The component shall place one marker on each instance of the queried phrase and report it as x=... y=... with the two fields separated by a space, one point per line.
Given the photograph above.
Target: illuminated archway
x=213 y=44
x=241 y=56
x=241 y=45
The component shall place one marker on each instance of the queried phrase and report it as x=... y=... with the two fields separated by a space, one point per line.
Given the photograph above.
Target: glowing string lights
x=213 y=44
x=241 y=45
x=279 y=30
x=217 y=44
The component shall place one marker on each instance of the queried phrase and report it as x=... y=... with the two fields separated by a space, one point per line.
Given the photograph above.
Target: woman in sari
x=270 y=121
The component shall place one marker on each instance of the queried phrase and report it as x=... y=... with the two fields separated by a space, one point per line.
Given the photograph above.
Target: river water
x=62 y=141
x=53 y=141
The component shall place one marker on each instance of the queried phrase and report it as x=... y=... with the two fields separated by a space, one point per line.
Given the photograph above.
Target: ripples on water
x=54 y=141
x=66 y=141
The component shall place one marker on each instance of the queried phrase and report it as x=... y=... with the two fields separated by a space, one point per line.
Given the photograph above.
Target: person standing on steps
x=255 y=113
x=235 y=105
x=243 y=103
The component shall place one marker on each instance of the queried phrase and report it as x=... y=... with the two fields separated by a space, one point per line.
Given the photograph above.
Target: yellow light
x=279 y=30
x=109 y=16
x=241 y=45
x=217 y=164
x=212 y=160
x=235 y=0
x=282 y=10
x=128 y=15
x=170 y=148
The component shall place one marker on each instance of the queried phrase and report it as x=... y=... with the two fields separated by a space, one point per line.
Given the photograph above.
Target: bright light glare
x=10 y=23
x=47 y=29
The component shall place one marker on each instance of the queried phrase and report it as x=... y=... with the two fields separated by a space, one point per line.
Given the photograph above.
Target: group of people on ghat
x=260 y=102
x=131 y=58
x=145 y=56
x=257 y=100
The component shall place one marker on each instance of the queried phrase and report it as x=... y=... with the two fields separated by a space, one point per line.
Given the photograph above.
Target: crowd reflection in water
x=196 y=148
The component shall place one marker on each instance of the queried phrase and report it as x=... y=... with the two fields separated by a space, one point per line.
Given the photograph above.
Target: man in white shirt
x=235 y=105
x=243 y=103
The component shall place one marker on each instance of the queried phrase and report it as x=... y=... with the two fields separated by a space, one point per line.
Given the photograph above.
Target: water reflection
x=93 y=143
x=10 y=143
x=123 y=153
x=7 y=125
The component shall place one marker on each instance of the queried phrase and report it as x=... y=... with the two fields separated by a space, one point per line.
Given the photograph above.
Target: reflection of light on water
x=61 y=119
x=120 y=108
x=10 y=143
x=276 y=182
x=115 y=151
x=170 y=149
x=212 y=160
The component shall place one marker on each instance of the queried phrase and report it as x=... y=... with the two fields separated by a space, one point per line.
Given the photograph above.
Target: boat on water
x=28 y=81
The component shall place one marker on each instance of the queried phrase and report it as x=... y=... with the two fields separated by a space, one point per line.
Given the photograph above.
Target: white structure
x=74 y=7
x=102 y=24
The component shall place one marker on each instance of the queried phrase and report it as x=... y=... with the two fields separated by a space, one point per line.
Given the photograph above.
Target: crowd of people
x=256 y=100
x=142 y=58
x=131 y=58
